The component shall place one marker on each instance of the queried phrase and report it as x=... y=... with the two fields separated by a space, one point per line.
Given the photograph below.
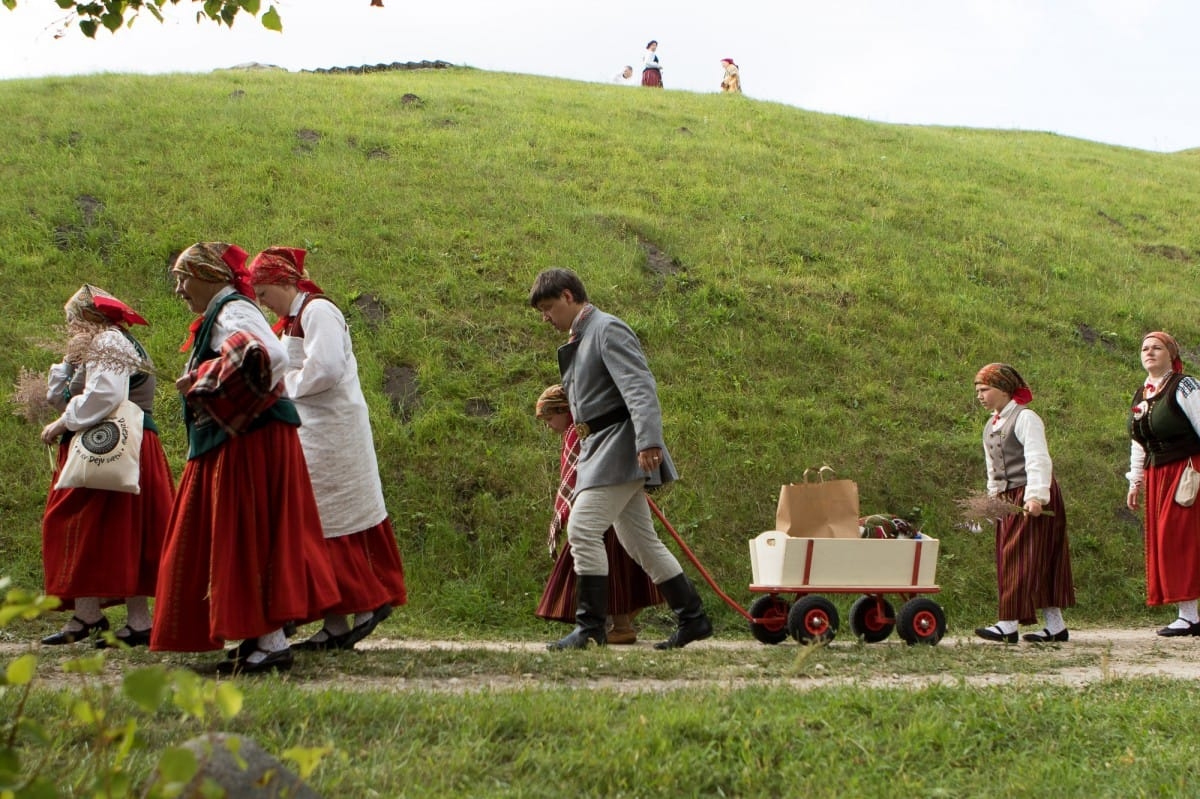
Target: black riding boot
x=591 y=613
x=685 y=602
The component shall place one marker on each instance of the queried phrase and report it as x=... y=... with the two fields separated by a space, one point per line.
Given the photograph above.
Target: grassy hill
x=809 y=289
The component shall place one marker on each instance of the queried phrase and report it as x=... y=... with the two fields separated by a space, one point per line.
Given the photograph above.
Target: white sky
x=1115 y=71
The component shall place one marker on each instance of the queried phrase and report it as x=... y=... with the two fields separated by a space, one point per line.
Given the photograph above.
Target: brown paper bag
x=818 y=508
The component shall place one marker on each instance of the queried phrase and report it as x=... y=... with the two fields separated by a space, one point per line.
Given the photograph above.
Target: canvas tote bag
x=820 y=507
x=1189 y=484
x=107 y=455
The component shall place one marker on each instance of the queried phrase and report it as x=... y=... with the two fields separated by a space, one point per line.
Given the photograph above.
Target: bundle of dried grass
x=82 y=347
x=29 y=397
x=979 y=508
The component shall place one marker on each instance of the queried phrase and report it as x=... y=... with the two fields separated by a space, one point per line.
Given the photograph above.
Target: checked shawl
x=235 y=388
x=566 y=485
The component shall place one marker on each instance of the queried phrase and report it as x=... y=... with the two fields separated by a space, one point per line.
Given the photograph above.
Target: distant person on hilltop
x=624 y=77
x=732 y=82
x=651 y=66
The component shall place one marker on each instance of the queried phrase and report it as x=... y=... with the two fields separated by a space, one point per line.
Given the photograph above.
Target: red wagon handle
x=696 y=562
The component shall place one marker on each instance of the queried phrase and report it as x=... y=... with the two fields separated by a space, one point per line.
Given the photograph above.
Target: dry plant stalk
x=83 y=348
x=979 y=507
x=29 y=397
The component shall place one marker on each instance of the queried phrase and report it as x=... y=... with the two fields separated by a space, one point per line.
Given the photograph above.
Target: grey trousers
x=624 y=508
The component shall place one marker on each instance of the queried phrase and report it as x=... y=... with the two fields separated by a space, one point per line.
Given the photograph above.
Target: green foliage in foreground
x=809 y=289
x=1120 y=738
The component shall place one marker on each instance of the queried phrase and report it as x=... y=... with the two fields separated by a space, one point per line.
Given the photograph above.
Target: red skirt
x=652 y=77
x=107 y=544
x=244 y=552
x=629 y=587
x=368 y=568
x=1033 y=559
x=1172 y=539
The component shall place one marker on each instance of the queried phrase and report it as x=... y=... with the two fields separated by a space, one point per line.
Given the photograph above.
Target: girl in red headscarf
x=244 y=553
x=322 y=380
x=1033 y=556
x=102 y=547
x=1163 y=427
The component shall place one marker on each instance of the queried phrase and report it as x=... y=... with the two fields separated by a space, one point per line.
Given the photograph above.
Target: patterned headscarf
x=216 y=262
x=1172 y=346
x=552 y=401
x=92 y=304
x=282 y=266
x=1007 y=379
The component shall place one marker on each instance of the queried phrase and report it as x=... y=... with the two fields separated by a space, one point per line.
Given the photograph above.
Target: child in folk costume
x=322 y=381
x=629 y=587
x=1033 y=558
x=244 y=553
x=102 y=547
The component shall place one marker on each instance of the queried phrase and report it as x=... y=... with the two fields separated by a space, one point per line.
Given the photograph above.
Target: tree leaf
x=146 y=687
x=271 y=20
x=21 y=670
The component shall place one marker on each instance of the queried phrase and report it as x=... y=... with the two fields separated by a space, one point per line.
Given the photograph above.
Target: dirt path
x=1092 y=655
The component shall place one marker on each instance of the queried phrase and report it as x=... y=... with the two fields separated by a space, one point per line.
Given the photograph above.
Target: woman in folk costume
x=651 y=66
x=244 y=553
x=1033 y=557
x=322 y=381
x=731 y=81
x=103 y=547
x=1164 y=427
x=629 y=587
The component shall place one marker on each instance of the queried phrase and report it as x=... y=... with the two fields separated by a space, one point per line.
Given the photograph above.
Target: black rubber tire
x=813 y=620
x=921 y=621
x=872 y=619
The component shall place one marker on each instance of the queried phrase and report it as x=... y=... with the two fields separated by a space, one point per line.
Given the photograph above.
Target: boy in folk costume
x=322 y=382
x=1033 y=558
x=244 y=553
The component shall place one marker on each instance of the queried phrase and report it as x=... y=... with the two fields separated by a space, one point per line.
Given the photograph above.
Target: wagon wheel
x=872 y=619
x=772 y=610
x=921 y=621
x=813 y=619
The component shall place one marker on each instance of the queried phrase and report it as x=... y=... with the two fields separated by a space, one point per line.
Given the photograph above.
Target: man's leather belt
x=585 y=429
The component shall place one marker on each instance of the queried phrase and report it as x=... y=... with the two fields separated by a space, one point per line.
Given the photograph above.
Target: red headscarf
x=1172 y=346
x=216 y=262
x=1007 y=379
x=282 y=266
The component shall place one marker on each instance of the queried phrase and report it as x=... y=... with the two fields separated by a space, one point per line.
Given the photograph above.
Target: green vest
x=205 y=434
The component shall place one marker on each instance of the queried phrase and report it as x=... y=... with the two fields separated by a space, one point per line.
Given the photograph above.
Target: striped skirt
x=629 y=588
x=1172 y=539
x=652 y=77
x=1033 y=559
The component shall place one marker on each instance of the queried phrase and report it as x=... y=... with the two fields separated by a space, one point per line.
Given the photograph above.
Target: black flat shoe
x=367 y=627
x=993 y=634
x=71 y=636
x=131 y=637
x=330 y=642
x=1173 y=632
x=274 y=661
x=242 y=650
x=1046 y=637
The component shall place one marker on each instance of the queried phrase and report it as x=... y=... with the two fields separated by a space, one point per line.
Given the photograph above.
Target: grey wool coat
x=603 y=369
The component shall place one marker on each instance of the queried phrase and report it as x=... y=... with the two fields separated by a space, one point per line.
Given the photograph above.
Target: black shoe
x=274 y=661
x=330 y=641
x=1168 y=632
x=360 y=632
x=993 y=634
x=1046 y=637
x=289 y=629
x=71 y=636
x=242 y=650
x=131 y=637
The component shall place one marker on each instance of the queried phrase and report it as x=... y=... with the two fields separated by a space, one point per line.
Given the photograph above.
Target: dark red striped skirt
x=1033 y=559
x=652 y=77
x=107 y=544
x=629 y=588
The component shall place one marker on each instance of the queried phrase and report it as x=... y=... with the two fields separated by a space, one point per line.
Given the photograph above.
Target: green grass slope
x=810 y=290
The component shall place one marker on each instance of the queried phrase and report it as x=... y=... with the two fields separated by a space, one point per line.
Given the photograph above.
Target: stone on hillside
x=243 y=769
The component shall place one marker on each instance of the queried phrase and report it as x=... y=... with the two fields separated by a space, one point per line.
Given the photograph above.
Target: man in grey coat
x=614 y=401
